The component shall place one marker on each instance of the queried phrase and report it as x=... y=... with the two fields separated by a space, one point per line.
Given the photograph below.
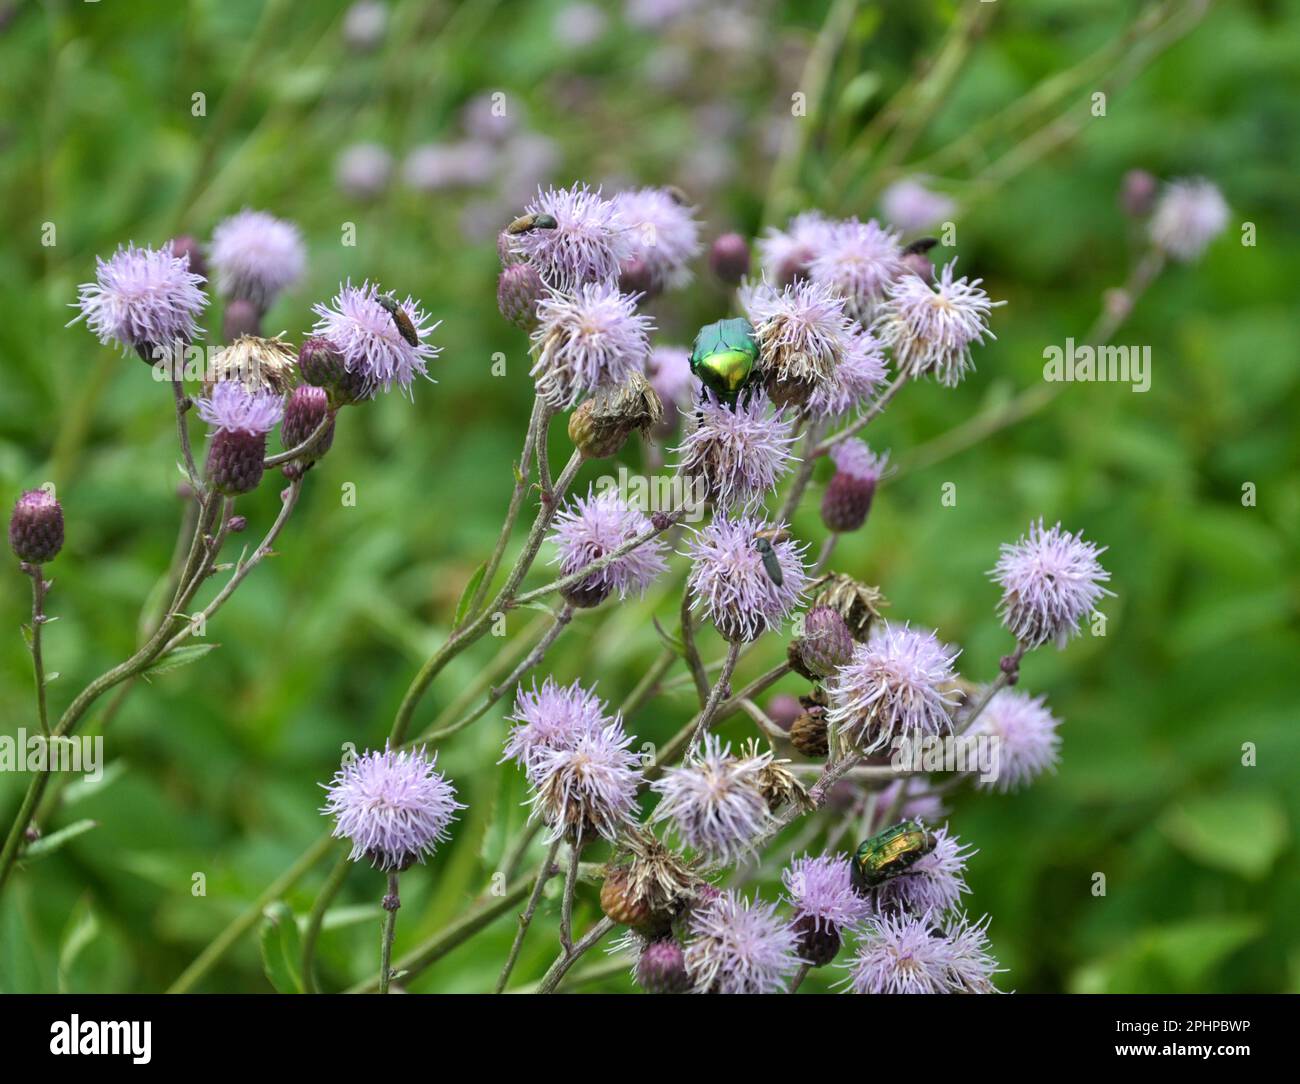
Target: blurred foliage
x=215 y=767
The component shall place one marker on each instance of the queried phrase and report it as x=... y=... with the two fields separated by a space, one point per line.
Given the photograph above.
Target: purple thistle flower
x=590 y=528
x=587 y=244
x=363 y=170
x=715 y=801
x=905 y=954
x=592 y=338
x=669 y=370
x=855 y=458
x=1188 y=216
x=821 y=891
x=917 y=805
x=930 y=328
x=233 y=408
x=910 y=206
x=664 y=236
x=895 y=683
x=858 y=261
x=255 y=256
x=369 y=340
x=552 y=717
x=490 y=117
x=36 y=527
x=934 y=884
x=803 y=335
x=1028 y=744
x=730 y=583
x=142 y=298
x=587 y=787
x=739 y=452
x=786 y=255
x=394 y=806
x=1050 y=581
x=433 y=167
x=854 y=381
x=737 y=947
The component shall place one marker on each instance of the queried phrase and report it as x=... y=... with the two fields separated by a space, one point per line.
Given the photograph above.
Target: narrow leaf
x=47 y=845
x=467 y=596
x=281 y=949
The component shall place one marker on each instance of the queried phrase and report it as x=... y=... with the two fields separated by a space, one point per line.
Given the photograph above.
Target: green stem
x=311 y=934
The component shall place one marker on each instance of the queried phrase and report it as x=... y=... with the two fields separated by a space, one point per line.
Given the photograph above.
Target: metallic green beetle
x=890 y=853
x=724 y=357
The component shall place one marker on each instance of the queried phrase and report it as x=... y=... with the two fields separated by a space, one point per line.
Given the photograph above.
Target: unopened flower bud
x=729 y=258
x=36 y=527
x=519 y=288
x=322 y=365
x=819 y=942
x=636 y=277
x=662 y=968
x=824 y=646
x=308 y=406
x=1137 y=193
x=235 y=461
x=808 y=734
x=601 y=425
x=187 y=248
x=783 y=709
x=241 y=317
x=846 y=502
x=620 y=901
x=237 y=524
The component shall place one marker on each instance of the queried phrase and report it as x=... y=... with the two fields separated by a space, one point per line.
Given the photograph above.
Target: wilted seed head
x=395 y=807
x=729 y=258
x=786 y=255
x=857 y=261
x=363 y=170
x=1190 y=213
x=586 y=246
x=259 y=364
x=847 y=500
x=911 y=206
x=552 y=717
x=731 y=584
x=1026 y=733
x=240 y=420
x=36 y=527
x=589 y=787
x=658 y=876
x=858 y=603
x=663 y=236
x=591 y=339
x=934 y=884
x=736 y=947
x=307 y=407
x=256 y=255
x=904 y=954
x=853 y=383
x=739 y=452
x=1050 y=580
x=802 y=334
x=142 y=298
x=894 y=683
x=519 y=289
x=825 y=904
x=930 y=328
x=601 y=425
x=715 y=802
x=590 y=528
x=809 y=734
x=823 y=647
x=661 y=968
x=368 y=339
x=778 y=784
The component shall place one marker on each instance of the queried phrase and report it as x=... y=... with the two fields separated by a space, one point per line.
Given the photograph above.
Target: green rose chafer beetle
x=725 y=357
x=890 y=853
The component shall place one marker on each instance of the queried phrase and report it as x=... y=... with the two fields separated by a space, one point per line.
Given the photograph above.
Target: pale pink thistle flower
x=933 y=884
x=592 y=338
x=912 y=207
x=1028 y=744
x=905 y=954
x=802 y=334
x=255 y=256
x=590 y=528
x=1190 y=213
x=240 y=421
x=787 y=255
x=552 y=717
x=363 y=170
x=664 y=234
x=587 y=244
x=858 y=261
x=854 y=381
x=825 y=903
x=369 y=340
x=588 y=787
x=736 y=947
x=739 y=452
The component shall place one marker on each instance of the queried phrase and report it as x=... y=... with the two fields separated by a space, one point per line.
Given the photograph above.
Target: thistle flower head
x=905 y=954
x=368 y=338
x=854 y=381
x=232 y=408
x=740 y=451
x=255 y=256
x=661 y=966
x=821 y=890
x=663 y=235
x=433 y=167
x=1189 y=215
x=910 y=206
x=895 y=682
x=363 y=170
x=1028 y=744
x=736 y=947
x=590 y=338
x=934 y=884
x=590 y=528
x=394 y=806
x=851 y=490
x=259 y=364
x=1050 y=580
x=141 y=298
x=552 y=717
x=854 y=457
x=669 y=370
x=731 y=583
x=929 y=329
x=803 y=335
x=857 y=261
x=715 y=801
x=786 y=255
x=589 y=786
x=587 y=244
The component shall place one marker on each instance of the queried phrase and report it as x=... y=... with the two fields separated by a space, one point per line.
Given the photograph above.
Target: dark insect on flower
x=724 y=356
x=890 y=853
x=771 y=565
x=403 y=322
x=677 y=195
x=920 y=245
x=528 y=223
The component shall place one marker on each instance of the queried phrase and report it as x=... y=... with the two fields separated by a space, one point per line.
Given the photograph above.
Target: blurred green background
x=215 y=766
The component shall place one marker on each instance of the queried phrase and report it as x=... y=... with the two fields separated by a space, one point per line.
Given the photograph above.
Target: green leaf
x=281 y=949
x=1240 y=833
x=47 y=845
x=467 y=596
x=181 y=656
x=336 y=918
x=80 y=789
x=1176 y=958
x=81 y=930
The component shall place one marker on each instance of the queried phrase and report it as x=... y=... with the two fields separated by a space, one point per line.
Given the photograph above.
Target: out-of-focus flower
x=590 y=528
x=587 y=244
x=803 y=335
x=854 y=380
x=857 y=261
x=739 y=452
x=715 y=801
x=491 y=116
x=588 y=787
x=186 y=247
x=579 y=24
x=669 y=369
x=787 y=255
x=730 y=583
x=1190 y=213
x=142 y=298
x=736 y=947
x=929 y=329
x=584 y=340
x=552 y=717
x=395 y=807
x=369 y=340
x=237 y=449
x=664 y=236
x=1137 y=193
x=1028 y=744
x=912 y=207
x=255 y=256
x=894 y=684
x=934 y=884
x=825 y=904
x=530 y=160
x=365 y=24
x=905 y=954
x=848 y=496
x=433 y=167
x=363 y=170
x=1050 y=580
x=729 y=258
x=36 y=527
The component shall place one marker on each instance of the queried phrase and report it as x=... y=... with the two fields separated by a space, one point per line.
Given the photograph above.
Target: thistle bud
x=241 y=317
x=846 y=502
x=187 y=248
x=620 y=901
x=36 y=527
x=783 y=709
x=808 y=734
x=308 y=406
x=235 y=461
x=1137 y=193
x=729 y=258
x=858 y=603
x=824 y=646
x=635 y=276
x=322 y=365
x=519 y=288
x=819 y=942
x=662 y=968
x=601 y=425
